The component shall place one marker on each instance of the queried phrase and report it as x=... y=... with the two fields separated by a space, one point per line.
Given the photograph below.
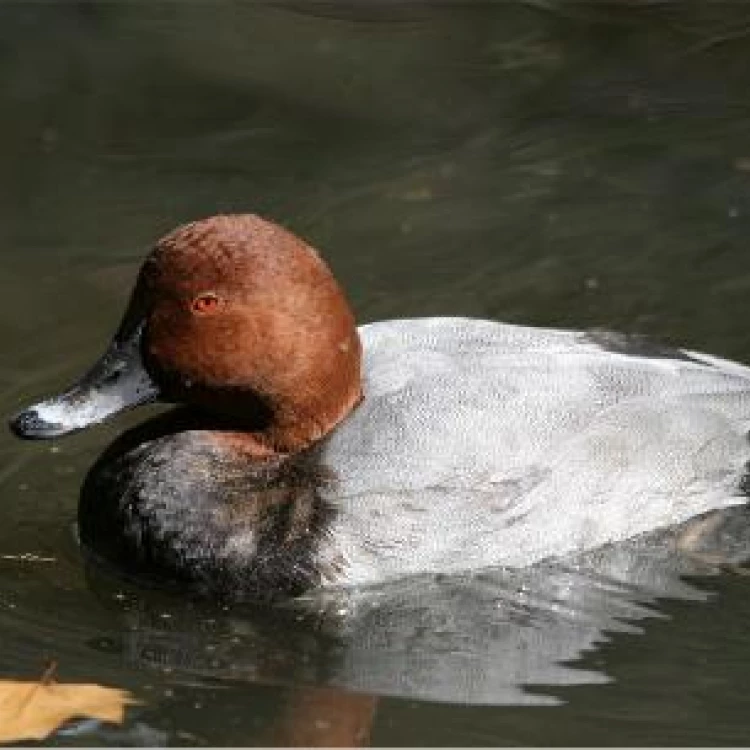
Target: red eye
x=205 y=304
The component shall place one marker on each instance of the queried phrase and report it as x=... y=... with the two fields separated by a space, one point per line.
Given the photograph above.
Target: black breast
x=167 y=504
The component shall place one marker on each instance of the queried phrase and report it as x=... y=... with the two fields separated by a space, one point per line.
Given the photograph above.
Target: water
x=549 y=163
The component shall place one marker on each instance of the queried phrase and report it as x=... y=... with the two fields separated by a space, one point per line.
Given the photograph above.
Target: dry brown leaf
x=33 y=710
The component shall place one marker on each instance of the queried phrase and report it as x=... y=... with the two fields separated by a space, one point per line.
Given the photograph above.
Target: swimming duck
x=307 y=452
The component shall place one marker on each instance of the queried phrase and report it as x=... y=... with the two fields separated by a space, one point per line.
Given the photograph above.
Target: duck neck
x=292 y=410
x=315 y=406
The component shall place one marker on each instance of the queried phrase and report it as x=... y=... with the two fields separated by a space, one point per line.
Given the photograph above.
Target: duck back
x=480 y=443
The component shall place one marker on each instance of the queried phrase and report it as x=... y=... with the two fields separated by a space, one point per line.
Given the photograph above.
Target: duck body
x=308 y=453
x=482 y=444
x=477 y=444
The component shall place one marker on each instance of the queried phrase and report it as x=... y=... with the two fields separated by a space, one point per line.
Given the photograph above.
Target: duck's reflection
x=324 y=717
x=493 y=637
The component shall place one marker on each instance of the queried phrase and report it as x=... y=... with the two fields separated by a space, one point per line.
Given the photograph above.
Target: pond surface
x=571 y=165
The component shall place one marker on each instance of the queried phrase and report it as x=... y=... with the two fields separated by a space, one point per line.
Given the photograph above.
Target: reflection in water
x=491 y=637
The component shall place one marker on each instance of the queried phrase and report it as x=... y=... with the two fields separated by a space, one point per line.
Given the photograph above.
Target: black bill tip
x=29 y=425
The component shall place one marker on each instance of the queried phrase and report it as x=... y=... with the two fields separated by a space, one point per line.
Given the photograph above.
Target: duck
x=304 y=453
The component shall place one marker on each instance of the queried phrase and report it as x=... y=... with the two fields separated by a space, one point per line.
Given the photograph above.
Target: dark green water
x=549 y=163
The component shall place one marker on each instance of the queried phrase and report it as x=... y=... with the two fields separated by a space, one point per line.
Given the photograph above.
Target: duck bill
x=117 y=382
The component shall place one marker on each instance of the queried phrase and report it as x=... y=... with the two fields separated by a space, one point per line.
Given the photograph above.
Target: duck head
x=232 y=315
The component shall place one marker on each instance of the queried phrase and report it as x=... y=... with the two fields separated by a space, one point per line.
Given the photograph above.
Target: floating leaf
x=33 y=710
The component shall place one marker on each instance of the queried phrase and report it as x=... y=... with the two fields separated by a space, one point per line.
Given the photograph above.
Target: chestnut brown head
x=233 y=315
